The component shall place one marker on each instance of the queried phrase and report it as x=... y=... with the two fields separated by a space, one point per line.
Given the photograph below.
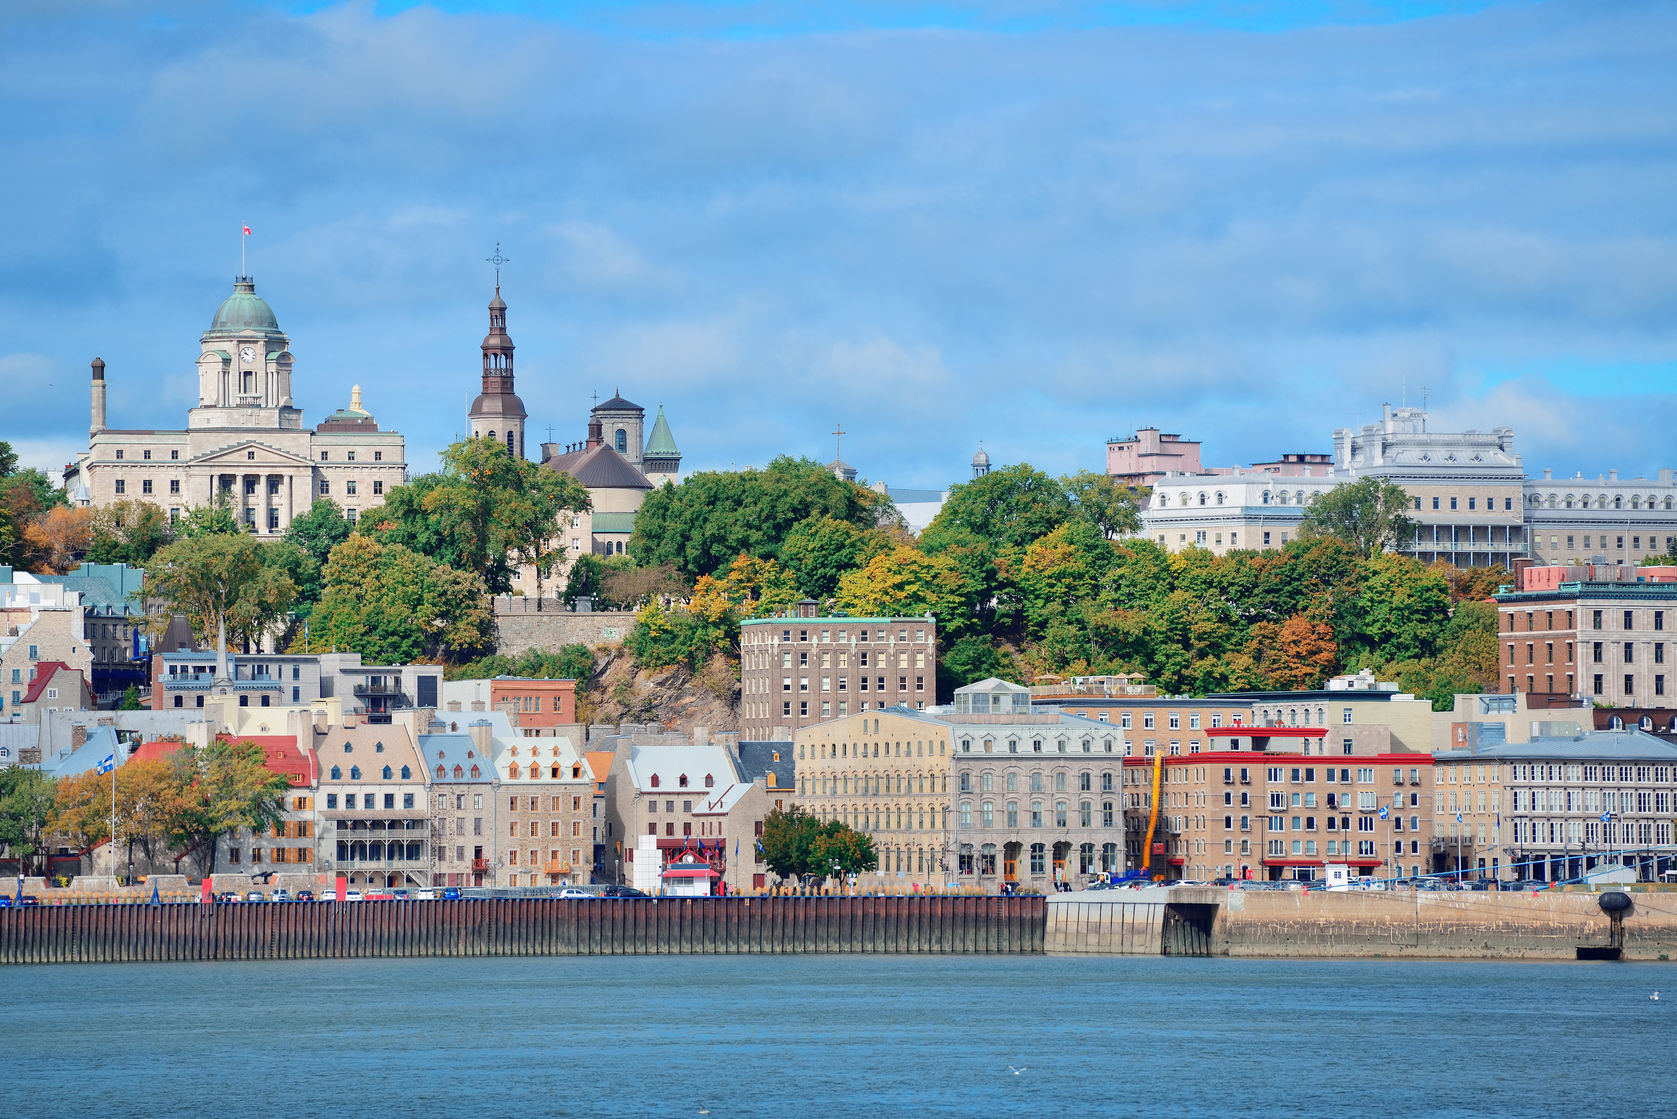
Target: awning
x=690 y=872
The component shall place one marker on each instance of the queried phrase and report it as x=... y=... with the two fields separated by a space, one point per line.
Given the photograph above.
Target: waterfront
x=873 y=1036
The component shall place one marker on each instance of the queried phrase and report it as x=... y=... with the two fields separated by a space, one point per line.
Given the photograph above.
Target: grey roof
x=1600 y=745
x=617 y=404
x=15 y=738
x=600 y=468
x=445 y=751
x=101 y=743
x=757 y=760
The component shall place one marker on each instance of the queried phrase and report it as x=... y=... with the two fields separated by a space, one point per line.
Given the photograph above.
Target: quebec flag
x=1384 y=812
x=108 y=764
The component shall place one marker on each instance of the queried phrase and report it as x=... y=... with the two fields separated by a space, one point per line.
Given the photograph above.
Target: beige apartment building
x=54 y=635
x=375 y=822
x=885 y=773
x=244 y=442
x=800 y=670
x=547 y=811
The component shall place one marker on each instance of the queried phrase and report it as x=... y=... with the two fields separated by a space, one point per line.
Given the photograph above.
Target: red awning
x=1266 y=732
x=689 y=872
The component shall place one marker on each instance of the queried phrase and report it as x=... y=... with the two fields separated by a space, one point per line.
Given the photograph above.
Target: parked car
x=228 y=896
x=353 y=895
x=623 y=892
x=304 y=895
x=451 y=893
x=401 y=895
x=5 y=902
x=280 y=895
x=380 y=895
x=575 y=893
x=1520 y=884
x=28 y=900
x=424 y=895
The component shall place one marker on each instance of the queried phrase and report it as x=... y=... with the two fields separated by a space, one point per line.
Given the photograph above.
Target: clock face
x=248 y=354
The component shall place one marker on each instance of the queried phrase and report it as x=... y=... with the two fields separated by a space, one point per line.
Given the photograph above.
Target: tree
x=1008 y=507
x=128 y=532
x=26 y=799
x=627 y=586
x=905 y=582
x=819 y=550
x=395 y=606
x=571 y=662
x=1400 y=610
x=226 y=787
x=214 y=519
x=130 y=699
x=315 y=534
x=798 y=845
x=703 y=524
x=968 y=659
x=57 y=539
x=1297 y=654
x=222 y=585
x=1369 y=514
x=1105 y=502
x=486 y=512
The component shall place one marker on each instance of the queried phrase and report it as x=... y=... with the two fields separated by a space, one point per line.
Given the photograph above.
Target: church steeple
x=497 y=413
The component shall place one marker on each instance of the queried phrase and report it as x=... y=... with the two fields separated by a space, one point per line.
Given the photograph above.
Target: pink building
x=1148 y=455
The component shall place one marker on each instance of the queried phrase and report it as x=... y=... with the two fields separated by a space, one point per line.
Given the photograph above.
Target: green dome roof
x=244 y=310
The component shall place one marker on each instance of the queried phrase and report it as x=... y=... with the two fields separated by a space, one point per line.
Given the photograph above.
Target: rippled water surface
x=838 y=1036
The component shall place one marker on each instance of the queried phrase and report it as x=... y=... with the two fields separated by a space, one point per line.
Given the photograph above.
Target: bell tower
x=497 y=413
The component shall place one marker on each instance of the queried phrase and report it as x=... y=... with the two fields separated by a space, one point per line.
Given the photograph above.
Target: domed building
x=244 y=443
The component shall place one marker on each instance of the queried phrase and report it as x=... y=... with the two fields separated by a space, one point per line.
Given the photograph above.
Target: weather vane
x=497 y=260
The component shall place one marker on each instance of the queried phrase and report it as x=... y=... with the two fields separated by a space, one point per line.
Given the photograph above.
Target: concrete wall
x=522 y=627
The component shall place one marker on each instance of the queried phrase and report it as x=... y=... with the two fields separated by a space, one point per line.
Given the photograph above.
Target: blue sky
x=1029 y=222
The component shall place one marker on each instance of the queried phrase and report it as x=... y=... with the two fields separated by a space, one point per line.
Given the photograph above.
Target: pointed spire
x=661 y=444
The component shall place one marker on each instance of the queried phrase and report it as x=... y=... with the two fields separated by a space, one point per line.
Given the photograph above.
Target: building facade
x=375 y=819
x=1147 y=456
x=244 y=444
x=1608 y=641
x=547 y=792
x=887 y=774
x=800 y=670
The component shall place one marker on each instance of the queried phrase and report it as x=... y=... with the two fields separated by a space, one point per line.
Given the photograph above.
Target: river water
x=837 y=1036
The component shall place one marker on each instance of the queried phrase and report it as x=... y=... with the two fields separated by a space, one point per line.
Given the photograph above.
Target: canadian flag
x=246 y=229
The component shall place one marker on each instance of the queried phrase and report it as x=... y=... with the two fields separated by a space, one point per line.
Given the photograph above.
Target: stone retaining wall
x=522 y=627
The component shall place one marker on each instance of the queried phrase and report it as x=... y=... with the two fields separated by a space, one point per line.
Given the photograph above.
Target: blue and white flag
x=1606 y=817
x=108 y=764
x=1384 y=812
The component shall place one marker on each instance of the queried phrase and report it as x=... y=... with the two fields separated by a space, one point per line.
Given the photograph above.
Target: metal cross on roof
x=497 y=260
x=838 y=442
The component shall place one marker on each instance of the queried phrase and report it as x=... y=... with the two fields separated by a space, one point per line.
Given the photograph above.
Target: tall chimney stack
x=98 y=424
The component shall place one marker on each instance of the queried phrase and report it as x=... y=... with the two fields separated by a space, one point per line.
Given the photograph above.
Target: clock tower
x=244 y=366
x=497 y=413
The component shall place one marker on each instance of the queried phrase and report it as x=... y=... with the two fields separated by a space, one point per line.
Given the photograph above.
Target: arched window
x=510 y=449
x=1618 y=502
x=622 y=442
x=493 y=436
x=386 y=773
x=346 y=747
x=1265 y=497
x=1219 y=497
x=654 y=780
x=1202 y=497
x=355 y=773
x=378 y=747
x=1182 y=499
x=337 y=774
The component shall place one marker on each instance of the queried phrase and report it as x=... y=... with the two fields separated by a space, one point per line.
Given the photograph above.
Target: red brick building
x=538 y=708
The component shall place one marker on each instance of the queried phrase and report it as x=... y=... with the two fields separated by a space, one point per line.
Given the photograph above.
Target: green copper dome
x=244 y=310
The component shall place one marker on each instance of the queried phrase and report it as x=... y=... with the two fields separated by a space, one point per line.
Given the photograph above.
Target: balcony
x=364 y=691
x=480 y=866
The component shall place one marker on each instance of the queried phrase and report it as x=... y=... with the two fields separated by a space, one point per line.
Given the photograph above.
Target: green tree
x=26 y=801
x=315 y=534
x=128 y=532
x=1006 y=508
x=486 y=512
x=226 y=787
x=130 y=699
x=798 y=845
x=703 y=524
x=967 y=660
x=905 y=581
x=1369 y=514
x=222 y=585
x=214 y=519
x=395 y=606
x=1400 y=610
x=820 y=550
x=1105 y=502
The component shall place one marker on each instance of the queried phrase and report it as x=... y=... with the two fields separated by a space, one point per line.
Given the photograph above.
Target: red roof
x=282 y=756
x=44 y=672
x=154 y=751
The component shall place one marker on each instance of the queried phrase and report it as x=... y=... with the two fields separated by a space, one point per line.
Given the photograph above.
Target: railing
x=378 y=690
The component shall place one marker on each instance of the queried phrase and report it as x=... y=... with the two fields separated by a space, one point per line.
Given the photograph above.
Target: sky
x=1038 y=224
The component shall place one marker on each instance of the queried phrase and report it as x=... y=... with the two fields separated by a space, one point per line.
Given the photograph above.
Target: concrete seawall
x=1321 y=924
x=521 y=927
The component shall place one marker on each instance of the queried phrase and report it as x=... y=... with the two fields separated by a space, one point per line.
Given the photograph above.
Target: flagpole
x=113 y=809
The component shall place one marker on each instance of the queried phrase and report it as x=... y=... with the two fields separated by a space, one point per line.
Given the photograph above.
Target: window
x=325 y=486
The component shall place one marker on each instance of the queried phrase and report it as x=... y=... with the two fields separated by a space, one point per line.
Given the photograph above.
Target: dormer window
x=355 y=773
x=458 y=772
x=337 y=774
x=476 y=772
x=682 y=781
x=386 y=773
x=654 y=780
x=378 y=747
x=406 y=773
x=710 y=781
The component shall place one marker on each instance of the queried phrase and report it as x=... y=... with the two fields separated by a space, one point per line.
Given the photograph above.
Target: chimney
x=596 y=432
x=1612 y=475
x=482 y=739
x=98 y=423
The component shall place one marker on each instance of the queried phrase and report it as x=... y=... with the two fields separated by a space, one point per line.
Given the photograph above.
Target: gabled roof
x=453 y=757
x=546 y=753
x=660 y=769
x=45 y=672
x=600 y=468
x=600 y=762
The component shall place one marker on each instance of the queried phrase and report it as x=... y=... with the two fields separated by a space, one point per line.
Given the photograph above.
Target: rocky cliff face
x=674 y=698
